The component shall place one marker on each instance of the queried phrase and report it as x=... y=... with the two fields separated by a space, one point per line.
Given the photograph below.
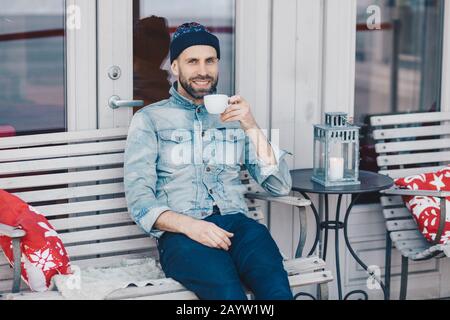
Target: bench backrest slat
x=398 y=173
x=413 y=158
x=54 y=179
x=110 y=247
x=92 y=221
x=66 y=150
x=415 y=145
x=32 y=166
x=399 y=119
x=72 y=192
x=416 y=131
x=101 y=234
x=62 y=137
x=56 y=210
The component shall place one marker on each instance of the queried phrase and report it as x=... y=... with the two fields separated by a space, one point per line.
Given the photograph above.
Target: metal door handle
x=115 y=102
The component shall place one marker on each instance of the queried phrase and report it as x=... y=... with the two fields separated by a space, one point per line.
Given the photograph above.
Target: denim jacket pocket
x=175 y=147
x=230 y=144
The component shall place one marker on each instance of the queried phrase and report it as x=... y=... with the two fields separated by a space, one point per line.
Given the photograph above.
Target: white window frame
x=81 y=67
x=115 y=48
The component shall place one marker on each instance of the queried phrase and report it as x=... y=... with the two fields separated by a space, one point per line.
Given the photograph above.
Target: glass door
x=134 y=40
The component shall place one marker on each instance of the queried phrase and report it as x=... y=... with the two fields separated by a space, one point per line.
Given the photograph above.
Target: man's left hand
x=239 y=110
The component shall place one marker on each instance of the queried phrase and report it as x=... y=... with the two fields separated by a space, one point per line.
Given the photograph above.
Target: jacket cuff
x=147 y=221
x=271 y=169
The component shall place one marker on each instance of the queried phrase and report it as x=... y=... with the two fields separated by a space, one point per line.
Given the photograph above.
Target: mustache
x=202 y=78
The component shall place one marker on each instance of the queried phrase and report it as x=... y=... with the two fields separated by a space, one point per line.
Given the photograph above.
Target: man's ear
x=174 y=68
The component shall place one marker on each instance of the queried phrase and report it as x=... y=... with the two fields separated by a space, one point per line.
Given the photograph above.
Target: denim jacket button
x=208 y=169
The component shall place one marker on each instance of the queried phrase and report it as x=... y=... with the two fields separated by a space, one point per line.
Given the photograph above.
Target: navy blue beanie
x=192 y=34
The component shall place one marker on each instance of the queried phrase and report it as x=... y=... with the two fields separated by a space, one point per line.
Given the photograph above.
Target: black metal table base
x=338 y=225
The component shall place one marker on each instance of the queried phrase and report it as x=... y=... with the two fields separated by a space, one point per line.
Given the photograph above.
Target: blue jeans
x=253 y=260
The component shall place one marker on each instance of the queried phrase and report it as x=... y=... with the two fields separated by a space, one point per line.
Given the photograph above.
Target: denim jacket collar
x=178 y=99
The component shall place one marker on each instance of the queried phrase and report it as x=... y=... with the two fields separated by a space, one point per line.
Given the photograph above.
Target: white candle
x=336 y=168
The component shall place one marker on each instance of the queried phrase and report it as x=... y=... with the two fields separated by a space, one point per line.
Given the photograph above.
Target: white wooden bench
x=76 y=180
x=410 y=144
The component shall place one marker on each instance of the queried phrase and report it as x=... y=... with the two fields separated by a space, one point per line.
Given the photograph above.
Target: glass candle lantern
x=336 y=151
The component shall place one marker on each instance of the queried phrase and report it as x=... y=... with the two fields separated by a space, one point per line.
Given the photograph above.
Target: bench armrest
x=12 y=232
x=293 y=201
x=298 y=202
x=408 y=192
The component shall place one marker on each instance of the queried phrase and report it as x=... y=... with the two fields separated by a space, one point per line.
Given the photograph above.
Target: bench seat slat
x=391 y=201
x=411 y=244
x=413 y=252
x=398 y=225
x=294 y=281
x=5 y=287
x=406 y=235
x=396 y=213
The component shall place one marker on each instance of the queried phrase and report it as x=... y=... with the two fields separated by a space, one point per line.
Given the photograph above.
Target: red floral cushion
x=43 y=253
x=426 y=210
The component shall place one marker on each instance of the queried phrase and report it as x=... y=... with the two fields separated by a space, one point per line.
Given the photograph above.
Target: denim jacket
x=179 y=157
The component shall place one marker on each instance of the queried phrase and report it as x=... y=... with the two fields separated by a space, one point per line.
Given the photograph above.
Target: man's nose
x=202 y=71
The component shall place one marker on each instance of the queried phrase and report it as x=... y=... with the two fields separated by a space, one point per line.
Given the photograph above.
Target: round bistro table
x=370 y=182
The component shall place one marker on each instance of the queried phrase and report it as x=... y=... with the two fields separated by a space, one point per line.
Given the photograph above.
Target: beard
x=198 y=93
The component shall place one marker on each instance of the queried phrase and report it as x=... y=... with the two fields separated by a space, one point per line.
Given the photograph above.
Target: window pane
x=398 y=68
x=152 y=79
x=32 y=68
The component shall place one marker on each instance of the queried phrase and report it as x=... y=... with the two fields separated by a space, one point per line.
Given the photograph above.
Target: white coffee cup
x=216 y=103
